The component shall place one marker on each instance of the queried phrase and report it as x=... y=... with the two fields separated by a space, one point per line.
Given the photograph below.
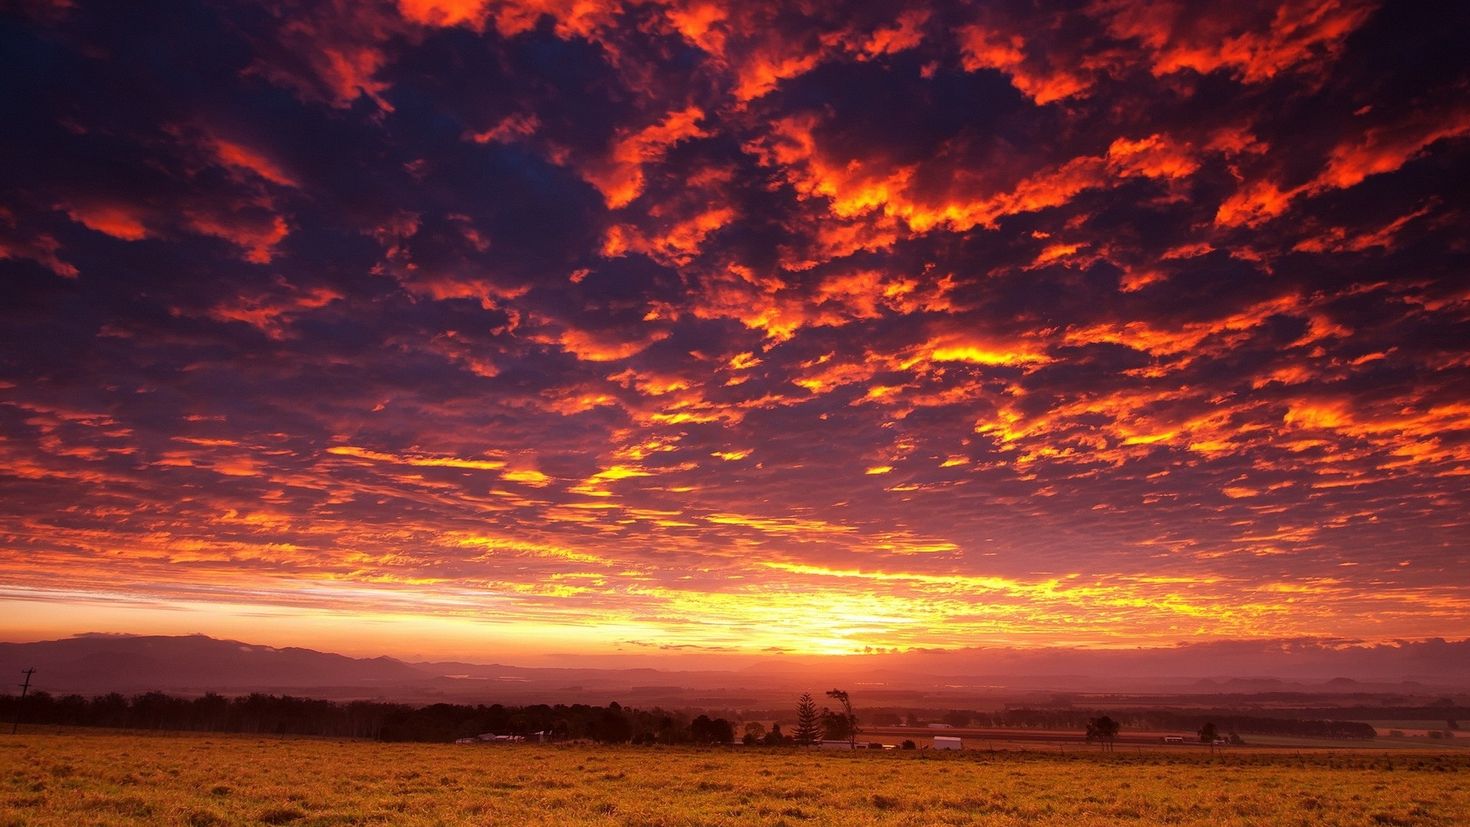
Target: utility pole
x=25 y=687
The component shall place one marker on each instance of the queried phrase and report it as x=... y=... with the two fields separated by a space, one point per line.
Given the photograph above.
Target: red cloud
x=271 y=314
x=237 y=155
x=117 y=220
x=1252 y=44
x=254 y=230
x=41 y=248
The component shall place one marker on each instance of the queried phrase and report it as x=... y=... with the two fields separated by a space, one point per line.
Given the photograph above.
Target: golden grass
x=89 y=778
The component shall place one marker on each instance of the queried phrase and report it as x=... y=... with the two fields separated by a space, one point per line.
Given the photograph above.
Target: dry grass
x=81 y=778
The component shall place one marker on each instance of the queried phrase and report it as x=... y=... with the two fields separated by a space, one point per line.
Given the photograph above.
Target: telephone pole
x=24 y=688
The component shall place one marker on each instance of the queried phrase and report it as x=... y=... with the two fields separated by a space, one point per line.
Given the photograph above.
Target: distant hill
x=94 y=664
x=193 y=664
x=102 y=663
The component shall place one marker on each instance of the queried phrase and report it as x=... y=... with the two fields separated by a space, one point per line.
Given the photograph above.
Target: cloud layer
x=814 y=327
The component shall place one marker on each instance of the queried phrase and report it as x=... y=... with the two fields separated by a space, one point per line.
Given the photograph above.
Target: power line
x=25 y=687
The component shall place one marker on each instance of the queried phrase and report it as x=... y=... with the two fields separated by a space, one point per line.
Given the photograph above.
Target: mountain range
x=98 y=663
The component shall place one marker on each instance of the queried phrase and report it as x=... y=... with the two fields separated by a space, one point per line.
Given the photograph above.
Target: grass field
x=90 y=778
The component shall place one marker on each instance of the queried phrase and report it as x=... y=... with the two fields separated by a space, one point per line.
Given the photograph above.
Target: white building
x=948 y=742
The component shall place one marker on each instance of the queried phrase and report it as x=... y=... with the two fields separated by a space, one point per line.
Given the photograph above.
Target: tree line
x=260 y=713
x=287 y=715
x=1167 y=720
x=1259 y=722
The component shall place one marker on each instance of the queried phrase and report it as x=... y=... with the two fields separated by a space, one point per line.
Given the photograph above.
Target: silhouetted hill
x=104 y=663
x=92 y=664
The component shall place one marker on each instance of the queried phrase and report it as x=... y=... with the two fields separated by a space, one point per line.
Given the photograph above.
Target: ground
x=90 y=778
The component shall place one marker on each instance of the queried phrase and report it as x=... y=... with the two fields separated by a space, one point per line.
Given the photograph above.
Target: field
x=92 y=778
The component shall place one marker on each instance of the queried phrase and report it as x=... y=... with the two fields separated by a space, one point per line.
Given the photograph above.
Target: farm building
x=832 y=744
x=948 y=742
x=492 y=738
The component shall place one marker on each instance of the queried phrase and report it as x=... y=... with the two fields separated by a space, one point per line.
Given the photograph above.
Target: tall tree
x=806 y=719
x=840 y=696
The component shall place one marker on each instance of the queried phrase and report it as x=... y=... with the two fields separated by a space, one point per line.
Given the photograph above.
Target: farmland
x=89 y=777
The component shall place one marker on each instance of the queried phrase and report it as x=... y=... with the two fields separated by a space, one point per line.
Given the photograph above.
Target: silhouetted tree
x=706 y=731
x=834 y=726
x=1207 y=735
x=774 y=738
x=957 y=717
x=612 y=726
x=1103 y=730
x=807 y=719
x=849 y=720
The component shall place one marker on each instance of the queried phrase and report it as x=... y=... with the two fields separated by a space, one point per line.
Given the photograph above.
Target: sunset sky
x=478 y=329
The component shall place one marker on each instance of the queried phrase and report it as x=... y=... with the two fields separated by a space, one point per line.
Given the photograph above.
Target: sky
x=590 y=326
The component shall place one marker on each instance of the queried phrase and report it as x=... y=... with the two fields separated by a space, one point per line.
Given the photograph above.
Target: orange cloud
x=444 y=12
x=593 y=346
x=762 y=71
x=421 y=461
x=1386 y=148
x=907 y=32
x=985 y=48
x=675 y=244
x=620 y=176
x=855 y=187
x=1380 y=150
x=1189 y=337
x=1253 y=205
x=975 y=351
x=1340 y=239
